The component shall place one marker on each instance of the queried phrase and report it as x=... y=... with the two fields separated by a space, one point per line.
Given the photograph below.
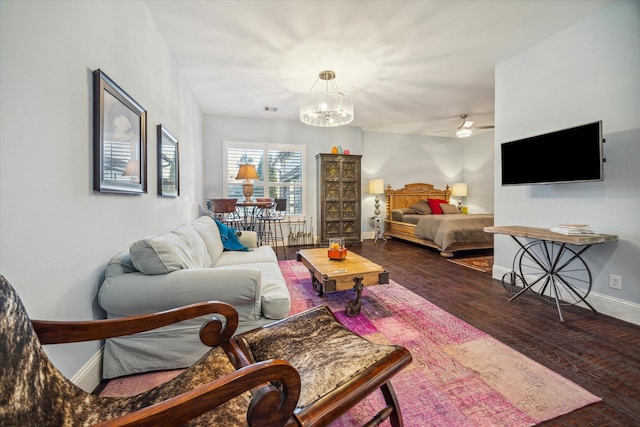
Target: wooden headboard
x=411 y=193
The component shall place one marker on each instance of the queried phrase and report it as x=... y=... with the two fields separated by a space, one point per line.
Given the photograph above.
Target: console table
x=548 y=262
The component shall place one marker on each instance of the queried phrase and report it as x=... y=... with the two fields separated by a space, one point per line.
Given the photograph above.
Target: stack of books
x=573 y=229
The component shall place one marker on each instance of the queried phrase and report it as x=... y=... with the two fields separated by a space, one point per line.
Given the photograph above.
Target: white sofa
x=185 y=266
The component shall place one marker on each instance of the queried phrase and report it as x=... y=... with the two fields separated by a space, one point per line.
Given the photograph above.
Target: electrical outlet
x=615 y=281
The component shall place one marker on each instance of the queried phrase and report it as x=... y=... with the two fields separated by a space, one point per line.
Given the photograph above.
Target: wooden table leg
x=317 y=286
x=353 y=306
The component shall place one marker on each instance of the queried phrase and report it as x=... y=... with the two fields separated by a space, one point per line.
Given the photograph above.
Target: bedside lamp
x=376 y=186
x=247 y=172
x=459 y=190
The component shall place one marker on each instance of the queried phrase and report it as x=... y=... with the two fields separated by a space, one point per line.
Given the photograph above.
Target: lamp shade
x=326 y=109
x=247 y=171
x=376 y=186
x=459 y=189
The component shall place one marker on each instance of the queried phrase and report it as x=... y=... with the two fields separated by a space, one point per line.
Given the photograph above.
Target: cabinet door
x=339 y=192
x=350 y=199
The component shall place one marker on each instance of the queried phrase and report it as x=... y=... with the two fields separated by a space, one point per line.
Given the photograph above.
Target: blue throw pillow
x=229 y=237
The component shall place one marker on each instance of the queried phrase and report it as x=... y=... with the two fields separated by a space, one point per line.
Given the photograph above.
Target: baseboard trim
x=605 y=304
x=90 y=375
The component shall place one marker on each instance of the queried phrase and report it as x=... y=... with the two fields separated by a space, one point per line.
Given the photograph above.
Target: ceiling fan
x=465 y=129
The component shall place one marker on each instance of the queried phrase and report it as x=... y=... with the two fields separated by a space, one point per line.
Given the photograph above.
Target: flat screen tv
x=568 y=155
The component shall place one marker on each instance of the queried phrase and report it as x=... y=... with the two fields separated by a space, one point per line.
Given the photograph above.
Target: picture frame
x=168 y=164
x=119 y=139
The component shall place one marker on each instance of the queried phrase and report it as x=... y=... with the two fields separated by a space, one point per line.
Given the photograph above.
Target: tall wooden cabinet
x=339 y=192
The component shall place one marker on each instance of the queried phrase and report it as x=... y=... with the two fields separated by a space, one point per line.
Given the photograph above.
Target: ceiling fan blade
x=467 y=124
x=485 y=127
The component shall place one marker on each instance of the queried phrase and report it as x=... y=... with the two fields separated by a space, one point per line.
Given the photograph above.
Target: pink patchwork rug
x=460 y=376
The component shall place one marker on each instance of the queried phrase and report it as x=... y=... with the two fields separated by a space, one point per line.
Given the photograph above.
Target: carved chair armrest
x=212 y=333
x=269 y=408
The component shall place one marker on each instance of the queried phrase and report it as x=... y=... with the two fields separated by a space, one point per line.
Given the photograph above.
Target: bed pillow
x=422 y=207
x=396 y=214
x=449 y=209
x=434 y=204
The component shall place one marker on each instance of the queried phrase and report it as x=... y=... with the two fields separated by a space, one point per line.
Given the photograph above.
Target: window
x=280 y=168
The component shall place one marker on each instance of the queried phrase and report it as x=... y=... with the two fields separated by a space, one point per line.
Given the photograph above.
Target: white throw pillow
x=179 y=249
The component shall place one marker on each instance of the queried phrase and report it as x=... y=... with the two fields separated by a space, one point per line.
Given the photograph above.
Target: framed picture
x=119 y=139
x=168 y=164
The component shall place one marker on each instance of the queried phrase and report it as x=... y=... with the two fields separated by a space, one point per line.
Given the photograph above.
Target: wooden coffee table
x=353 y=272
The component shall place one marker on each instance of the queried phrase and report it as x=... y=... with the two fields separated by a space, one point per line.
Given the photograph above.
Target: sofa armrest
x=249 y=239
x=137 y=293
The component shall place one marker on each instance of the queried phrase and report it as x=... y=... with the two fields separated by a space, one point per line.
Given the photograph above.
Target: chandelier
x=326 y=109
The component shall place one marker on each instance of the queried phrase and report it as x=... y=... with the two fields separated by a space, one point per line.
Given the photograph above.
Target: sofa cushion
x=206 y=227
x=179 y=249
x=275 y=301
x=257 y=255
x=275 y=298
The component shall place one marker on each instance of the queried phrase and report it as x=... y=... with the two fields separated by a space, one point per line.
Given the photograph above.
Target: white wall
x=477 y=167
x=318 y=140
x=56 y=233
x=402 y=159
x=585 y=73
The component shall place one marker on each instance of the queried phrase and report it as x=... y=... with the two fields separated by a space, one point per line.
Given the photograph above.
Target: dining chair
x=225 y=211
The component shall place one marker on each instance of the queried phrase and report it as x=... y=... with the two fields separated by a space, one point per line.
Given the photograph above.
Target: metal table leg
x=561 y=273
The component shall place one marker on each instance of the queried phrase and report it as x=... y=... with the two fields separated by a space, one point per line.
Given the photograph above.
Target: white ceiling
x=412 y=66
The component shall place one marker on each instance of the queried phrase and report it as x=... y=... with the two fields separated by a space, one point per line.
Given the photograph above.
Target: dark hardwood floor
x=597 y=352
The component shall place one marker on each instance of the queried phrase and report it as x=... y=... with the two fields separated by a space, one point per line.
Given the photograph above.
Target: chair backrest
x=222 y=205
x=281 y=205
x=265 y=200
x=32 y=390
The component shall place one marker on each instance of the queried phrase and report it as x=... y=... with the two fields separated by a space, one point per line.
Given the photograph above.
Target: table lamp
x=459 y=190
x=247 y=171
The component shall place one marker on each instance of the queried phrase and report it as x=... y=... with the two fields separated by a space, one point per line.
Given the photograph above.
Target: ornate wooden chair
x=337 y=367
x=330 y=370
x=34 y=393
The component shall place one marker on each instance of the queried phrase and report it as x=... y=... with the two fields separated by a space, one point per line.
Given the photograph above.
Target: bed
x=449 y=232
